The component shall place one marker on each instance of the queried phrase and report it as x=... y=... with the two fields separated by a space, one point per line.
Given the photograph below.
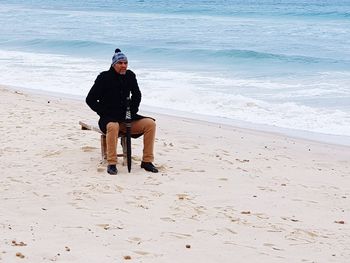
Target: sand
x=223 y=194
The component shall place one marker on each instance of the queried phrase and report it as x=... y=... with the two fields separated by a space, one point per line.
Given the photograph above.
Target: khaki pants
x=145 y=126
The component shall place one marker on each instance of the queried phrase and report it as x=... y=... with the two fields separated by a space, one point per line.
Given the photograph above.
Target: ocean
x=281 y=65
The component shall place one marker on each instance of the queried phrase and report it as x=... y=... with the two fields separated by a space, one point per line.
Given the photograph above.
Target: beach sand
x=223 y=194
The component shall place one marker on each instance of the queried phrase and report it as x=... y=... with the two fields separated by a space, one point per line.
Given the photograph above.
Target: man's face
x=120 y=67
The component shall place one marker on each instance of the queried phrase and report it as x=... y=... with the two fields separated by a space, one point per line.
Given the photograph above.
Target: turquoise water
x=279 y=63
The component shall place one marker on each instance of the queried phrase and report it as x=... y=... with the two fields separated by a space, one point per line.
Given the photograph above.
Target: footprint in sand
x=223 y=179
x=183 y=197
x=177 y=235
x=167 y=219
x=193 y=171
x=142 y=253
x=51 y=154
x=88 y=148
x=303 y=236
x=136 y=240
x=273 y=246
x=242 y=161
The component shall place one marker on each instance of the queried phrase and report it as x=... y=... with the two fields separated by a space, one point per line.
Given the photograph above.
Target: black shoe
x=112 y=169
x=149 y=167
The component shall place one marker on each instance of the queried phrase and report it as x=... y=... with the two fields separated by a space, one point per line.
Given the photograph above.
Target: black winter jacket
x=107 y=97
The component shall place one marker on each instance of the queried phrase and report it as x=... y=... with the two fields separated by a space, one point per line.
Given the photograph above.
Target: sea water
x=283 y=64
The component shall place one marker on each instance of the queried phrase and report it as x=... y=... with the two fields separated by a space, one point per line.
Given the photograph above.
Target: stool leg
x=103 y=148
x=123 y=142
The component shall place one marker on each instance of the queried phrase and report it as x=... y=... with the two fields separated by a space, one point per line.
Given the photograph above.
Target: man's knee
x=150 y=124
x=112 y=127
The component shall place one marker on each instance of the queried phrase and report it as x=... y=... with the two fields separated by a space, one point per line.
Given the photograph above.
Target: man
x=108 y=98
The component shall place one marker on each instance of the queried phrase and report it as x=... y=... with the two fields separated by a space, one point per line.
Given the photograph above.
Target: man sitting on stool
x=107 y=98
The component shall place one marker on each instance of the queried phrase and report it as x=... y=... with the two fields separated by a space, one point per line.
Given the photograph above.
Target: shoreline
x=336 y=140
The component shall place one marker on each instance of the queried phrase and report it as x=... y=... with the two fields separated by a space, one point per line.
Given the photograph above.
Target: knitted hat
x=118 y=56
